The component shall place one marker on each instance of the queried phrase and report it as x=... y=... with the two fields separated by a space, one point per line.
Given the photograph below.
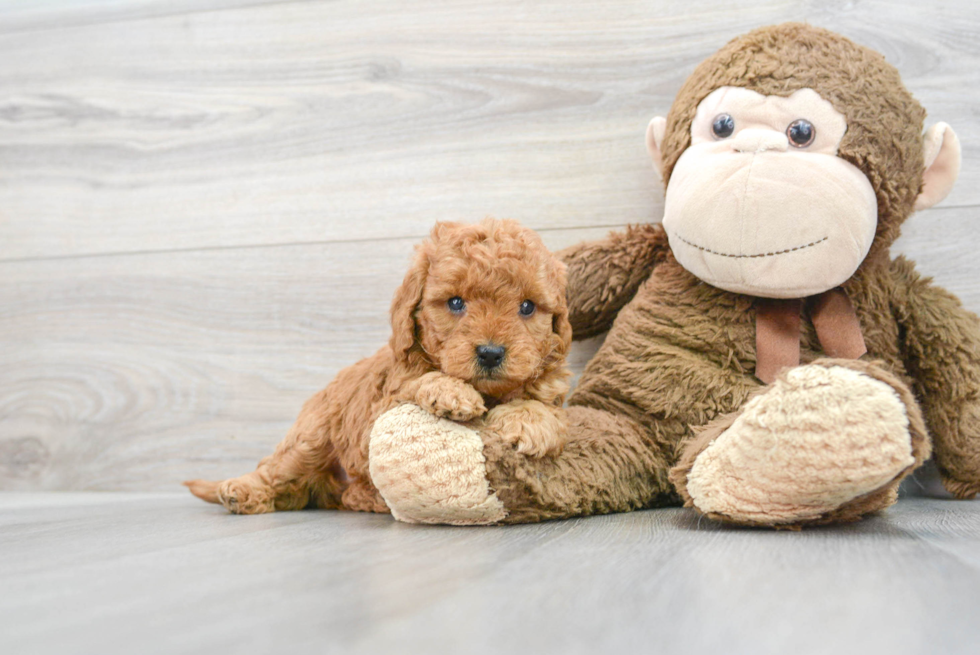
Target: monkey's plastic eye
x=801 y=133
x=527 y=308
x=723 y=126
x=456 y=304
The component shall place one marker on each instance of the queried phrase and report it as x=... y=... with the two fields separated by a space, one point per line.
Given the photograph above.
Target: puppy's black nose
x=490 y=355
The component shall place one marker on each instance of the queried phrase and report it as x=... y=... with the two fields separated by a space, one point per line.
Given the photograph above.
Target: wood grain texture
x=42 y=15
x=126 y=573
x=128 y=127
x=206 y=206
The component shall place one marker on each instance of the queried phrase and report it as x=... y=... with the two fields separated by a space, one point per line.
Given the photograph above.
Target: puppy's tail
x=204 y=490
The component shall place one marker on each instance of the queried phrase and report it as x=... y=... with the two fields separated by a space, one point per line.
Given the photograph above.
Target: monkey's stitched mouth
x=761 y=254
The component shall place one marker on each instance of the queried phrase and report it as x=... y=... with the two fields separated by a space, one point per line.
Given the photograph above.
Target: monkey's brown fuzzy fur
x=680 y=354
x=430 y=360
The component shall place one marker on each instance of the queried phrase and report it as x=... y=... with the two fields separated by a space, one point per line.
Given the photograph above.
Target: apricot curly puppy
x=480 y=323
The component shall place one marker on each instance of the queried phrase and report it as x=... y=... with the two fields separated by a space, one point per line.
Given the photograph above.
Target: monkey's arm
x=604 y=275
x=941 y=348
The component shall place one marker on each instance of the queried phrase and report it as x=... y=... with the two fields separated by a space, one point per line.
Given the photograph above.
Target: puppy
x=479 y=329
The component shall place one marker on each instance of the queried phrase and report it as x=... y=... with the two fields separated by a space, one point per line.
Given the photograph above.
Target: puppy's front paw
x=450 y=397
x=535 y=428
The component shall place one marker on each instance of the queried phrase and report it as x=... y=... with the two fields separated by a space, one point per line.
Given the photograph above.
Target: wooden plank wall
x=205 y=205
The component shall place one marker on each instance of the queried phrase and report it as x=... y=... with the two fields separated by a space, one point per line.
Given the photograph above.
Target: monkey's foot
x=431 y=470
x=824 y=443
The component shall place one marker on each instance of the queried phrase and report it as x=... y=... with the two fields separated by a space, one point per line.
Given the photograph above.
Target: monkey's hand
x=942 y=355
x=448 y=397
x=604 y=275
x=537 y=429
x=958 y=456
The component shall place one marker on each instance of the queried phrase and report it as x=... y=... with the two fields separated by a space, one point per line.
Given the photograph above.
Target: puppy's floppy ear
x=560 y=324
x=405 y=303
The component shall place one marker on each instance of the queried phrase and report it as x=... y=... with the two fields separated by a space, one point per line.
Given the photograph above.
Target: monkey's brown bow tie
x=777 y=330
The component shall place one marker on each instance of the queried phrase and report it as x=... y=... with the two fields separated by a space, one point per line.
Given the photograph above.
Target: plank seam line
x=254 y=246
x=291 y=244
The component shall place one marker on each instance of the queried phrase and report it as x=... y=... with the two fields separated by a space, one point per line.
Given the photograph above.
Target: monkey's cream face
x=761 y=204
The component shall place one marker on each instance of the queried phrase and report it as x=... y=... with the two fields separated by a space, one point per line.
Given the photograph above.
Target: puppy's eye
x=527 y=308
x=723 y=126
x=456 y=304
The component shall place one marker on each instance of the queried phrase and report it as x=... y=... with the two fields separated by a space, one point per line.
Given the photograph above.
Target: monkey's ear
x=655 y=137
x=941 y=152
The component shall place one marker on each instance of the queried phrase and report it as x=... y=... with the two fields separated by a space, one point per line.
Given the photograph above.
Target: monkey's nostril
x=490 y=355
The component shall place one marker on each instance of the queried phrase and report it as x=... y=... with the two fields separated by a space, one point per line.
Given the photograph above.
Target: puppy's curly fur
x=490 y=268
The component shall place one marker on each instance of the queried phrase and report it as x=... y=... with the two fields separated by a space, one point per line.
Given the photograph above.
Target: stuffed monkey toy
x=767 y=362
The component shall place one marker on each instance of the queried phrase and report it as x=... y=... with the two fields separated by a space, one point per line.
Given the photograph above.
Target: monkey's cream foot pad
x=818 y=438
x=431 y=470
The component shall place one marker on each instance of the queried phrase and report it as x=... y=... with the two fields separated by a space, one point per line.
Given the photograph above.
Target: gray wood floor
x=143 y=573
